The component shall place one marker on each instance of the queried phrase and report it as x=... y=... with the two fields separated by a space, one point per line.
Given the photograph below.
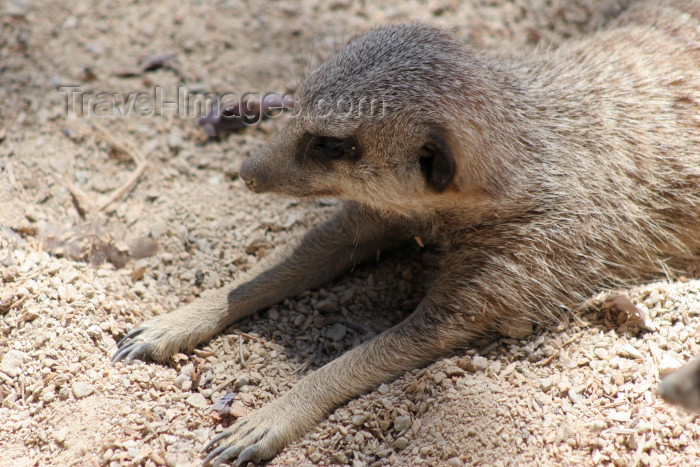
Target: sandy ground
x=581 y=394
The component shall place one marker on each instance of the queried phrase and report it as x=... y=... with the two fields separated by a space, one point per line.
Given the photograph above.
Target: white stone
x=668 y=365
x=81 y=390
x=629 y=351
x=546 y=384
x=480 y=363
x=402 y=422
x=197 y=400
x=12 y=362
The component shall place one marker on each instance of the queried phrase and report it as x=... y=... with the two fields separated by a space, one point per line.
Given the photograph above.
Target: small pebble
x=170 y=459
x=158 y=229
x=358 y=420
x=546 y=384
x=238 y=410
x=241 y=381
x=48 y=396
x=466 y=364
x=60 y=435
x=12 y=362
x=454 y=370
x=620 y=416
x=180 y=380
x=630 y=352
x=81 y=389
x=64 y=393
x=94 y=331
x=336 y=332
x=175 y=138
x=70 y=22
x=340 y=458
x=197 y=400
x=575 y=396
x=597 y=426
x=290 y=221
x=400 y=443
x=563 y=433
x=402 y=423
x=187 y=370
x=327 y=306
x=439 y=377
x=480 y=363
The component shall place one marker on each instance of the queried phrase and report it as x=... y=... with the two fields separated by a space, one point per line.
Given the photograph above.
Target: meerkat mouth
x=325 y=193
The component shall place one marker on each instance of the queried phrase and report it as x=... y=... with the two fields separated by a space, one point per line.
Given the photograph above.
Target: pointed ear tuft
x=437 y=164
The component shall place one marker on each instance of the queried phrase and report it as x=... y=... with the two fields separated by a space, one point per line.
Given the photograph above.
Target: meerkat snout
x=250 y=176
x=269 y=169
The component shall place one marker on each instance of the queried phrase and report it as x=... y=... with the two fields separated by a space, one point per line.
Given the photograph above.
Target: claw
x=141 y=350
x=133 y=333
x=123 y=351
x=216 y=439
x=227 y=455
x=213 y=454
x=131 y=351
x=251 y=453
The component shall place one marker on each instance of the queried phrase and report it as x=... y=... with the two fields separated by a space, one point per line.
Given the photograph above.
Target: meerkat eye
x=333 y=148
x=328 y=148
x=437 y=163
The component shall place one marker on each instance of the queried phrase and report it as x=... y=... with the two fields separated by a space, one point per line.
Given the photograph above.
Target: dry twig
x=134 y=153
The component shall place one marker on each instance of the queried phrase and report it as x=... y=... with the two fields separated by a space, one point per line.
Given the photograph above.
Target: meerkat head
x=381 y=122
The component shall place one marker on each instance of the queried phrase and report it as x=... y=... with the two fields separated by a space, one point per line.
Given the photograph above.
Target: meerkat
x=544 y=178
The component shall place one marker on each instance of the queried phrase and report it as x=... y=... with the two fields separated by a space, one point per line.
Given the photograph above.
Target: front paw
x=154 y=339
x=259 y=436
x=179 y=331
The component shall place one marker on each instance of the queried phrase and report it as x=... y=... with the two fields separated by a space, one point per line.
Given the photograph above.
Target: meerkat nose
x=254 y=175
x=250 y=183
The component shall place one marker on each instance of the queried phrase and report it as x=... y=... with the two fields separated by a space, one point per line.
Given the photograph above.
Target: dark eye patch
x=327 y=148
x=437 y=163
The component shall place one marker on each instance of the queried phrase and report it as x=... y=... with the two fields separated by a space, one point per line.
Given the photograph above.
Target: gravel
x=583 y=393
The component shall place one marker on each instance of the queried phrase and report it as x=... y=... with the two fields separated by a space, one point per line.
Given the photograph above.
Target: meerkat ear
x=437 y=164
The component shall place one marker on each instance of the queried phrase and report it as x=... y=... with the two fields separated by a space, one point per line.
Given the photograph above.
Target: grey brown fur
x=544 y=177
x=682 y=387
